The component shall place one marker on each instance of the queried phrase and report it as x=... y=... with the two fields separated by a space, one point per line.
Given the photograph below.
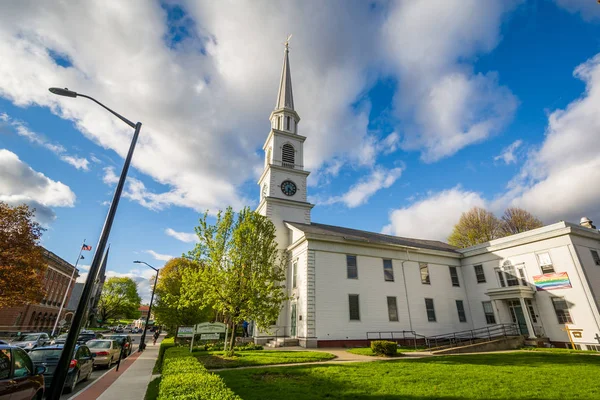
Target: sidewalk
x=130 y=383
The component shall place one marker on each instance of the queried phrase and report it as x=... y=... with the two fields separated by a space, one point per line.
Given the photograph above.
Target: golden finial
x=287 y=41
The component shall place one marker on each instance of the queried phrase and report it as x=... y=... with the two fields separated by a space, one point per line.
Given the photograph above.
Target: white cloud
x=203 y=101
x=433 y=217
x=559 y=181
x=359 y=194
x=110 y=178
x=158 y=256
x=182 y=236
x=35 y=138
x=508 y=155
x=430 y=46
x=19 y=183
x=77 y=162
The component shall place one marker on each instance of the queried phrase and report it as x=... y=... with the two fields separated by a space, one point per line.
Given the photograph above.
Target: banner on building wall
x=559 y=280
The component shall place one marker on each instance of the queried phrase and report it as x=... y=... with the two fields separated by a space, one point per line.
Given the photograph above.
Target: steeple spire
x=285 y=98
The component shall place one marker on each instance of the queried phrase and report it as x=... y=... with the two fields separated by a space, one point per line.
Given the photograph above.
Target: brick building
x=41 y=316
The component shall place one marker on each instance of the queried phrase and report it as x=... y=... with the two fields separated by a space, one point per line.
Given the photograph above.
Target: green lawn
x=366 y=351
x=507 y=376
x=216 y=359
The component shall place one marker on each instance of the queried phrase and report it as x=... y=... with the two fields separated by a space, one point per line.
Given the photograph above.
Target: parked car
x=83 y=337
x=119 y=329
x=28 y=341
x=125 y=341
x=80 y=368
x=3 y=342
x=105 y=352
x=19 y=378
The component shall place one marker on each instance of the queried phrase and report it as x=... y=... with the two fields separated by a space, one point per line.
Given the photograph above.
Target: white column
x=527 y=318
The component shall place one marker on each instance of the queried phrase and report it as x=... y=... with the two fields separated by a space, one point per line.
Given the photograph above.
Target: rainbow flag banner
x=558 y=280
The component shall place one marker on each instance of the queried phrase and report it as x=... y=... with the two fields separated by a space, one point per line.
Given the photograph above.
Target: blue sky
x=413 y=113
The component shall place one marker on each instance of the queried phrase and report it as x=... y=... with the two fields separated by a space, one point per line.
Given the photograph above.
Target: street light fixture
x=143 y=339
x=60 y=374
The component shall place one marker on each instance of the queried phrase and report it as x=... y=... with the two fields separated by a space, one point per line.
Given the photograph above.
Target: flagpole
x=68 y=287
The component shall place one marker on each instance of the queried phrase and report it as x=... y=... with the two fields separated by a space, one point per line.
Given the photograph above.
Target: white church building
x=345 y=283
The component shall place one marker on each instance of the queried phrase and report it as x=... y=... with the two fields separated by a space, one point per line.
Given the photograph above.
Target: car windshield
x=27 y=338
x=117 y=338
x=45 y=355
x=86 y=336
x=99 y=344
x=63 y=336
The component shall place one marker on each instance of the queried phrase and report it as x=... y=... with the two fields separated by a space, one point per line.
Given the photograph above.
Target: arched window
x=287 y=155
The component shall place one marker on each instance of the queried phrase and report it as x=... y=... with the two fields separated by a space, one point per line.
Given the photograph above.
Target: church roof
x=285 y=98
x=371 y=237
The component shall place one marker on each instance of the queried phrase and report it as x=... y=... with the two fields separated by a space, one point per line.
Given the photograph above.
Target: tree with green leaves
x=119 y=298
x=169 y=308
x=474 y=227
x=22 y=264
x=478 y=226
x=516 y=220
x=242 y=271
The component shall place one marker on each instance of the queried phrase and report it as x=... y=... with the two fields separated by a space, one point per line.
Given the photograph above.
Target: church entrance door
x=293 y=324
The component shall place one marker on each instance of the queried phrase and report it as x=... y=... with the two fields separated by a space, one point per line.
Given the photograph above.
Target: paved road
x=101 y=371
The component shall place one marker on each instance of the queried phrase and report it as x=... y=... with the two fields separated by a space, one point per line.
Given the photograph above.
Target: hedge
x=164 y=345
x=185 y=378
x=384 y=348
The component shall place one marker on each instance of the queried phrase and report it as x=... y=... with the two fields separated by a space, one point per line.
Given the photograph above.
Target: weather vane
x=287 y=41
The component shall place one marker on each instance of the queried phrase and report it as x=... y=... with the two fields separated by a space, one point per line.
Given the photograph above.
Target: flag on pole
x=86 y=247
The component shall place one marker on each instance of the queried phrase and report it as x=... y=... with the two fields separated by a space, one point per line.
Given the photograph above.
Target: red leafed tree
x=22 y=265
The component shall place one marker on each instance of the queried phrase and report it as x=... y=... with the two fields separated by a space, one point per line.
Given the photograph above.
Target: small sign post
x=576 y=333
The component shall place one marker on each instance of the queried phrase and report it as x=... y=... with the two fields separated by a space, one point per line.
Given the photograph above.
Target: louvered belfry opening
x=287 y=156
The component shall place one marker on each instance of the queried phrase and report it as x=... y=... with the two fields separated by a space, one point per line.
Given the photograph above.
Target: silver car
x=28 y=341
x=105 y=352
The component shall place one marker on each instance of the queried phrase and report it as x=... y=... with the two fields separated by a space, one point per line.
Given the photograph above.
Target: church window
x=430 y=310
x=545 y=263
x=488 y=310
x=388 y=271
x=354 y=307
x=287 y=123
x=479 y=274
x=392 y=309
x=454 y=276
x=509 y=273
x=424 y=268
x=596 y=257
x=460 y=307
x=287 y=155
x=294 y=274
x=561 y=308
x=351 y=267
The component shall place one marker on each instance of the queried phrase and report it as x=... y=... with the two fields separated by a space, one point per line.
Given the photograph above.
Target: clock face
x=288 y=188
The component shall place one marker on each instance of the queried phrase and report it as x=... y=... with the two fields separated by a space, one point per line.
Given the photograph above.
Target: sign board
x=62 y=322
x=210 y=336
x=185 y=332
x=576 y=334
x=558 y=280
x=210 y=327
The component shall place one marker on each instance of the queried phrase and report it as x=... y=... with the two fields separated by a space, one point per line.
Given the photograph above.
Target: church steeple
x=284 y=117
x=285 y=97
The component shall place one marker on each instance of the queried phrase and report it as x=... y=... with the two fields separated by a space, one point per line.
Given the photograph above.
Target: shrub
x=164 y=345
x=185 y=378
x=248 y=347
x=384 y=348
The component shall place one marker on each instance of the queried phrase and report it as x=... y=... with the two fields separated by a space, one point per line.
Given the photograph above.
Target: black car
x=80 y=368
x=125 y=341
x=19 y=378
x=81 y=339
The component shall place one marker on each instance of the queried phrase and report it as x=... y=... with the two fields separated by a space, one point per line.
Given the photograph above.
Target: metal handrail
x=454 y=339
x=414 y=336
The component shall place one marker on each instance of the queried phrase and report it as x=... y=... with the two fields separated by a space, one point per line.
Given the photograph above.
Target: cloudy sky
x=414 y=112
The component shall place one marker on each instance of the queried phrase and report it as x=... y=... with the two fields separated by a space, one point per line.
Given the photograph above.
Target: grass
x=558 y=350
x=519 y=375
x=366 y=351
x=152 y=391
x=216 y=359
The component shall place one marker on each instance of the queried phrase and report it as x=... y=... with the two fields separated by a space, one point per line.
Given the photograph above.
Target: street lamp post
x=143 y=339
x=60 y=374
